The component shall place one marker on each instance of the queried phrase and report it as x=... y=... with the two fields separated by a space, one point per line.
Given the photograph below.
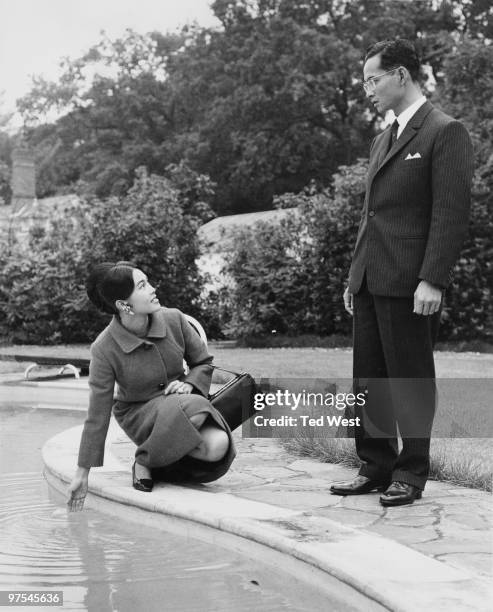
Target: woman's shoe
x=141 y=484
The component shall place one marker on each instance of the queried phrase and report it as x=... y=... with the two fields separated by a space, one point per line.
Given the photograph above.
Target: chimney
x=23 y=177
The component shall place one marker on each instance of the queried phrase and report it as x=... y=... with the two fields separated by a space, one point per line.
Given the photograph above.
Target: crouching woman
x=180 y=436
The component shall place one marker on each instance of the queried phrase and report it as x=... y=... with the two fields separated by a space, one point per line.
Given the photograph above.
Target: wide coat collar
x=129 y=341
x=382 y=154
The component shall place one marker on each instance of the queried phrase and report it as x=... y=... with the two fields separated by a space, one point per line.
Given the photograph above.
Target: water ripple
x=102 y=564
x=42 y=546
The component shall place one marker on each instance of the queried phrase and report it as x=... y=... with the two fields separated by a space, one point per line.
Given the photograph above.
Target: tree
x=278 y=105
x=262 y=105
x=6 y=146
x=114 y=115
x=466 y=91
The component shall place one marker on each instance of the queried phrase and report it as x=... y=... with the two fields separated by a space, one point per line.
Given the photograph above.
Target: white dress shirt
x=406 y=115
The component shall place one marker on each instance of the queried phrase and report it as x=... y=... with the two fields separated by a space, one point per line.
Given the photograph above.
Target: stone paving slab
x=419 y=556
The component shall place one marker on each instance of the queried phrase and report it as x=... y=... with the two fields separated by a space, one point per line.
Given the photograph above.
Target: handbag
x=235 y=399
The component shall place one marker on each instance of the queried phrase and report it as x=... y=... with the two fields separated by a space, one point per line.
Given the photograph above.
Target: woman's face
x=143 y=299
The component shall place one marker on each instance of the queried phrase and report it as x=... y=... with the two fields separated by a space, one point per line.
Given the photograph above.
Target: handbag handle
x=229 y=371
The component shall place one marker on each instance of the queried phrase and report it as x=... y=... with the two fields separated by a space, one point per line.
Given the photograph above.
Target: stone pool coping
x=404 y=559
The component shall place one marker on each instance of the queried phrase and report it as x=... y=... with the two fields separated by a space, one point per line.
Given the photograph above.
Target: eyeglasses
x=371 y=82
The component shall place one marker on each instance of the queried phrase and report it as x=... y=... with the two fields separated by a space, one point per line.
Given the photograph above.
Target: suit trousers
x=393 y=365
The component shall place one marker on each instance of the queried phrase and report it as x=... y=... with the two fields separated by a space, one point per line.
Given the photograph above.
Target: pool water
x=102 y=566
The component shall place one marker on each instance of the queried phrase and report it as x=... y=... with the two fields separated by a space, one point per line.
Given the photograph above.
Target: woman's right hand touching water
x=77 y=490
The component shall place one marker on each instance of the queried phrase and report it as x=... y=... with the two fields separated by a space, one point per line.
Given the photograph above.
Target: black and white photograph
x=246 y=305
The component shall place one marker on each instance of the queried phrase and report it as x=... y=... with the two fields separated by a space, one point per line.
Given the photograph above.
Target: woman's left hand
x=177 y=386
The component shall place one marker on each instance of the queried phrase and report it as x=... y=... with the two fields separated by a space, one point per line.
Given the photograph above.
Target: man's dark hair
x=394 y=53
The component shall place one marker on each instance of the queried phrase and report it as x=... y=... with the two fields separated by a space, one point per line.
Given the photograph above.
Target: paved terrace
x=435 y=554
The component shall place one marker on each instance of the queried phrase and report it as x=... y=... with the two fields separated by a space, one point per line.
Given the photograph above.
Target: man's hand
x=348 y=301
x=427 y=298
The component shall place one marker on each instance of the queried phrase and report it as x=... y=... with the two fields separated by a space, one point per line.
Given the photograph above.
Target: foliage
x=216 y=307
x=41 y=291
x=6 y=145
x=468 y=311
x=42 y=284
x=195 y=190
x=269 y=284
x=272 y=103
x=467 y=92
x=262 y=105
x=114 y=112
x=290 y=277
x=267 y=110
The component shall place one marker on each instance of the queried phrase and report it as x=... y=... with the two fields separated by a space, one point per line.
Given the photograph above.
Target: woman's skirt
x=164 y=435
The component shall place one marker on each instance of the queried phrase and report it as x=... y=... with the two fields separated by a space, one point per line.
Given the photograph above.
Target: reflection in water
x=101 y=565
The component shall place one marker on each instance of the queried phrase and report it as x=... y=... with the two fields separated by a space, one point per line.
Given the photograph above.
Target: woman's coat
x=142 y=368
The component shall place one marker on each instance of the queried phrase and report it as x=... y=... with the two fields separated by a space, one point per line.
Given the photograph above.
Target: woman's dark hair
x=395 y=53
x=108 y=282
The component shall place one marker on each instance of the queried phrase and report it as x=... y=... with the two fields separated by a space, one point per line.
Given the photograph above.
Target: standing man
x=414 y=222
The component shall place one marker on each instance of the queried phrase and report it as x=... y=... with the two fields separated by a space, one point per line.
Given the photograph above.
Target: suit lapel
x=387 y=135
x=408 y=134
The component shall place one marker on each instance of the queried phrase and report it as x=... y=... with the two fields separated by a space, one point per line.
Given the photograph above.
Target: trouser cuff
x=374 y=474
x=408 y=478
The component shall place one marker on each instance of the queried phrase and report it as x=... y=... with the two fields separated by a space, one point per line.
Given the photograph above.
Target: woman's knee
x=214 y=445
x=219 y=447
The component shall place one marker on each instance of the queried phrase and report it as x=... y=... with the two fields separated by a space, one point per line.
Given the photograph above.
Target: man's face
x=383 y=87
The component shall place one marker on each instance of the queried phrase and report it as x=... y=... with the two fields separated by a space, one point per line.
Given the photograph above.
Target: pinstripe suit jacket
x=415 y=215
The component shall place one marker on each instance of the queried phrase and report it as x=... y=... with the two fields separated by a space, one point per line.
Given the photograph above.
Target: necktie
x=393 y=134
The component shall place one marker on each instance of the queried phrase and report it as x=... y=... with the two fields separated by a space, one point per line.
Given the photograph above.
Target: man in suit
x=414 y=222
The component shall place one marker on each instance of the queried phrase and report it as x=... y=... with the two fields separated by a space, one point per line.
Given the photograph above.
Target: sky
x=36 y=34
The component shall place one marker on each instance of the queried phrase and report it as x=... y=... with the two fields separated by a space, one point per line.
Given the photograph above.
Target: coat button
x=162 y=386
x=371 y=213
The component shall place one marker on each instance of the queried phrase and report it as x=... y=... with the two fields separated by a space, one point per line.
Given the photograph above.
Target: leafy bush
x=269 y=282
x=468 y=311
x=41 y=290
x=42 y=294
x=290 y=276
x=467 y=93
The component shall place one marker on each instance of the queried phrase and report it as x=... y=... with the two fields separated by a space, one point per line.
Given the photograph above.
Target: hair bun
x=94 y=283
x=108 y=282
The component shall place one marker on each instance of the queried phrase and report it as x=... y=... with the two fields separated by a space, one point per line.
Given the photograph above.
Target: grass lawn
x=462 y=461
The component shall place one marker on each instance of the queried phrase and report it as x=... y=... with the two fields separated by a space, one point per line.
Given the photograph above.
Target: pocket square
x=415 y=156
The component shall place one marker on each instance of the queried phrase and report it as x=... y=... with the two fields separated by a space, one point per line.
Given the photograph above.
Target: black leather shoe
x=359 y=486
x=400 y=494
x=141 y=484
